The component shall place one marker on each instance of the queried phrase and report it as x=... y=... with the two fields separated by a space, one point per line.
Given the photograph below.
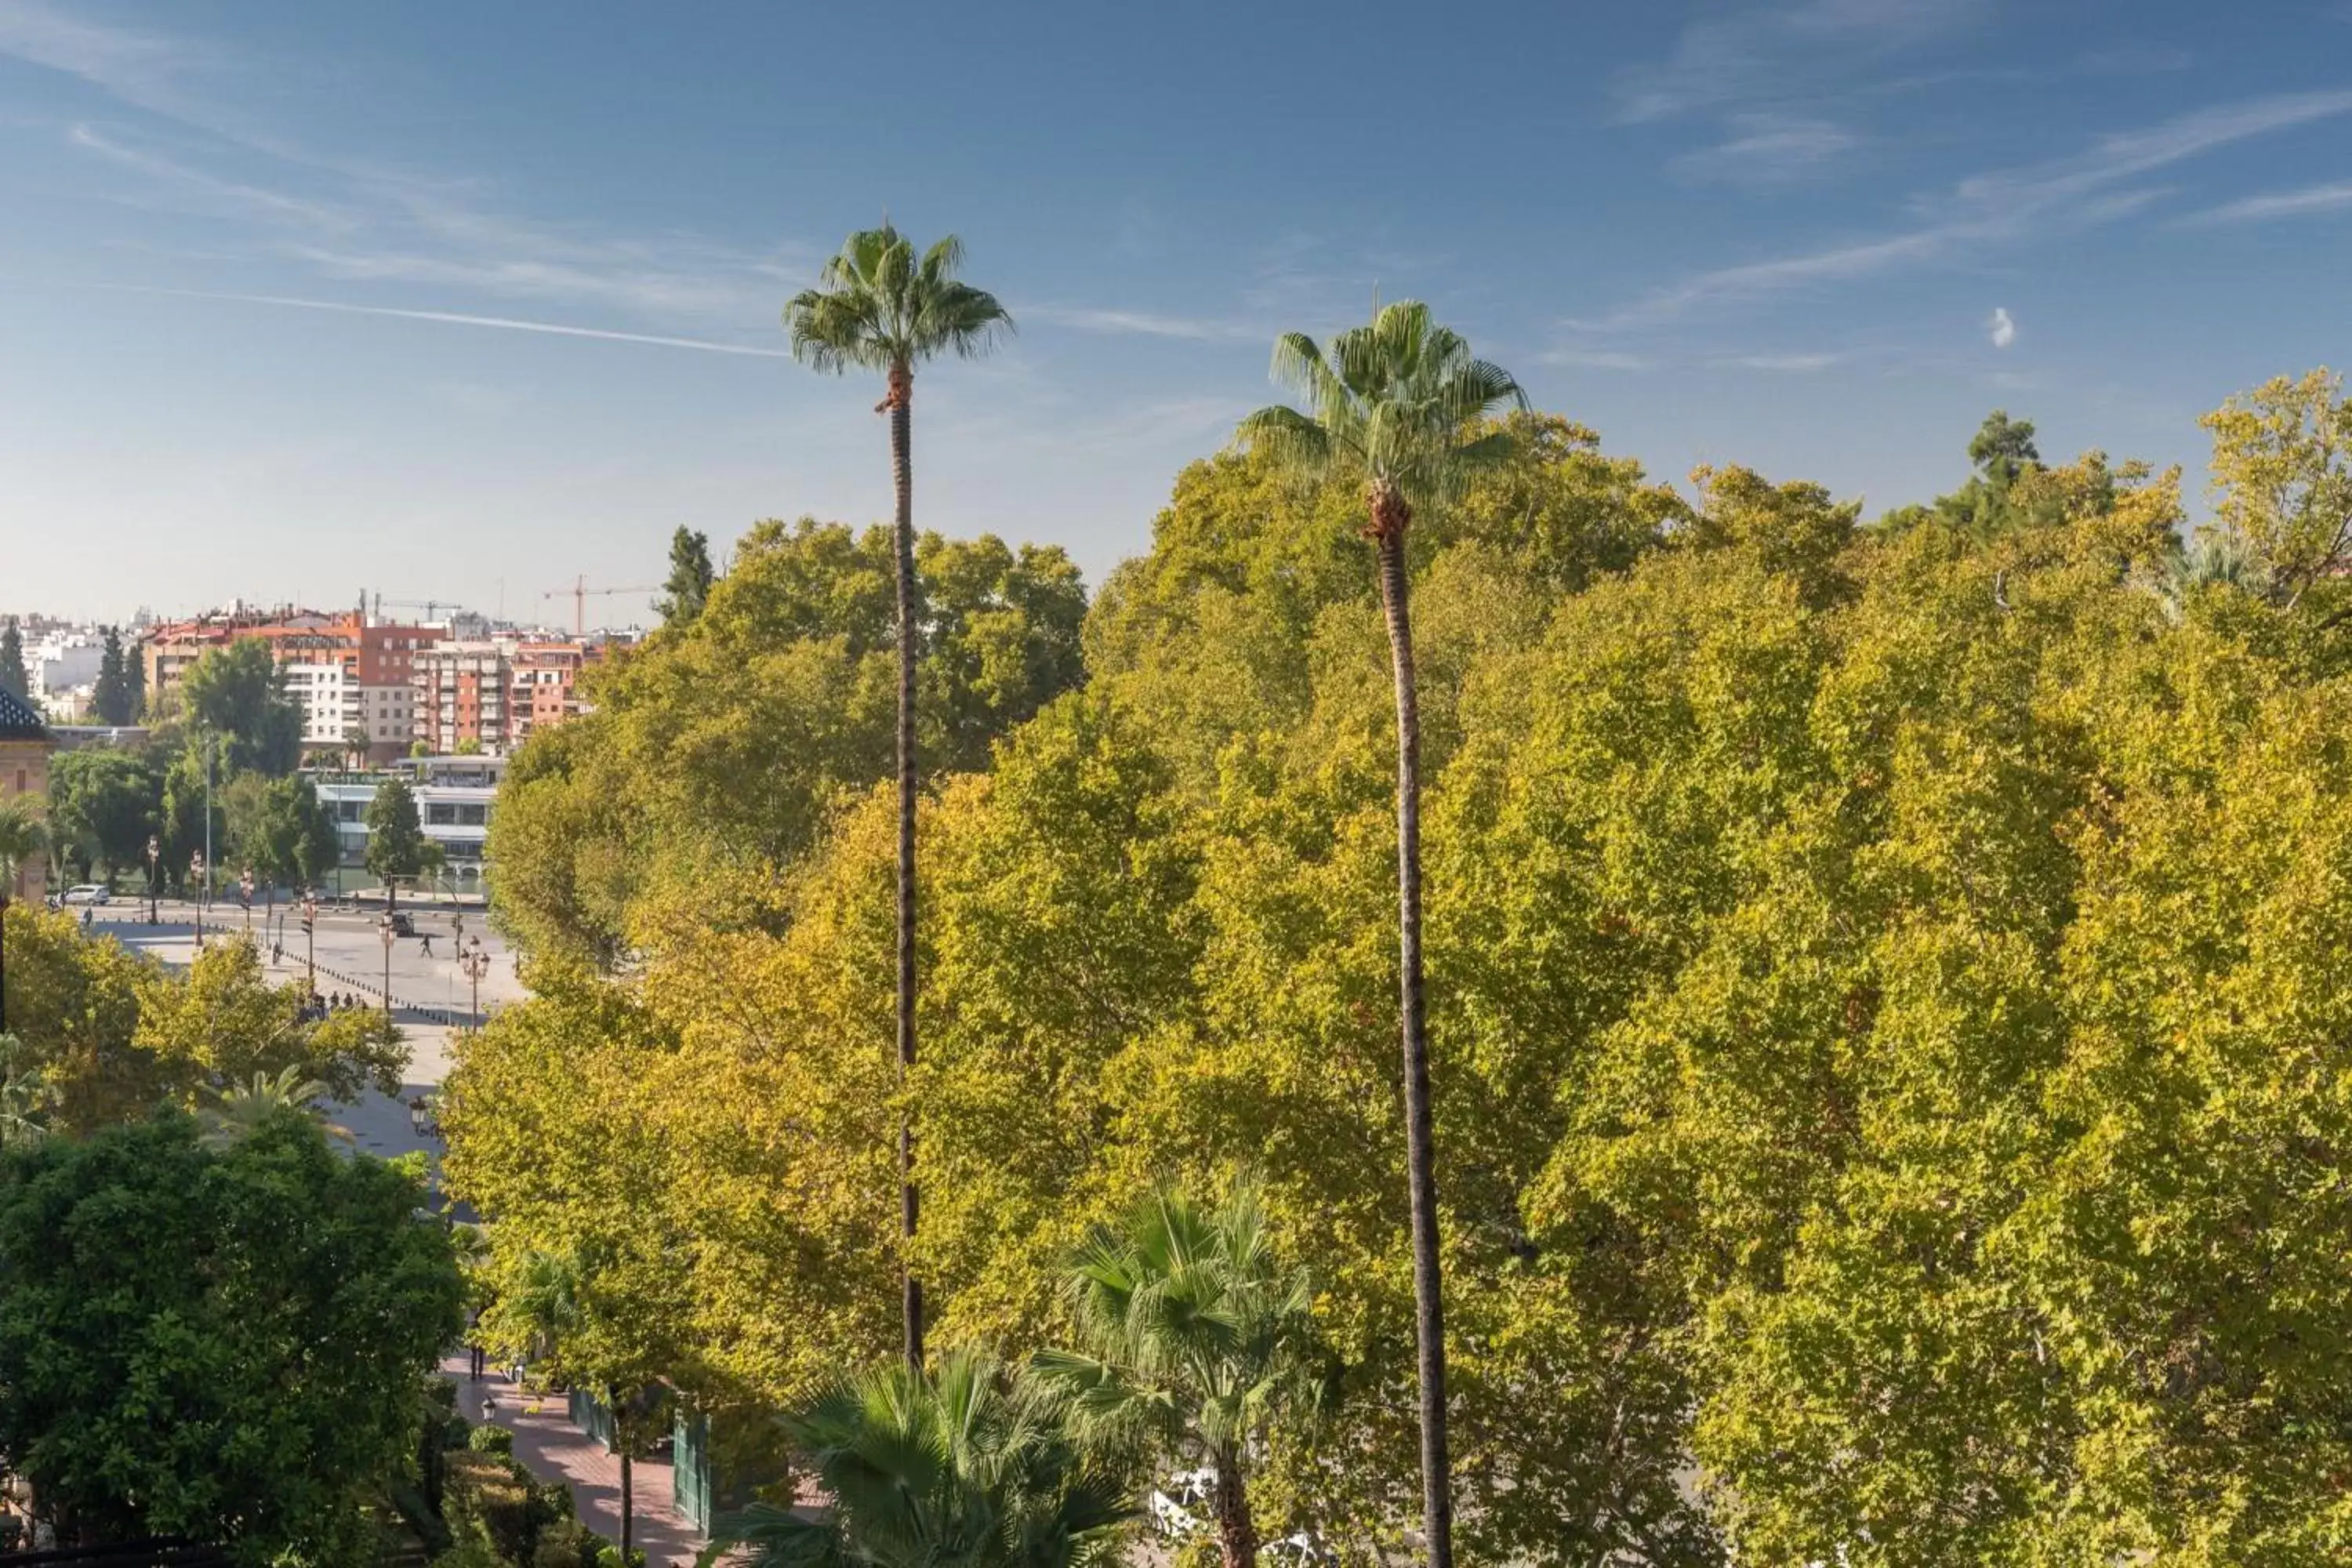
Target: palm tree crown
x=1399 y=400
x=1197 y=1331
x=22 y=836
x=966 y=1469
x=881 y=306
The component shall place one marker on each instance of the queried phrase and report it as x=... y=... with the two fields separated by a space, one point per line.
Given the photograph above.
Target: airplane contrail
x=447 y=318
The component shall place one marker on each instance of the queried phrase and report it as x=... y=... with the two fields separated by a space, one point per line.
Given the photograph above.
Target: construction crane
x=427 y=606
x=580 y=593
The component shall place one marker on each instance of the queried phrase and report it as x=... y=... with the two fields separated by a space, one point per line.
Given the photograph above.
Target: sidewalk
x=553 y=1449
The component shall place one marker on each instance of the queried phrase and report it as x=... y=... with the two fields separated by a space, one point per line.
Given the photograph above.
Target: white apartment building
x=455 y=797
x=328 y=701
x=63 y=669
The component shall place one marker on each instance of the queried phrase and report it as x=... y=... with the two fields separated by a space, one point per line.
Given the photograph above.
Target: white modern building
x=326 y=698
x=454 y=800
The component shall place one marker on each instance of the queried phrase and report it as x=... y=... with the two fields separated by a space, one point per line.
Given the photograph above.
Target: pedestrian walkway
x=550 y=1447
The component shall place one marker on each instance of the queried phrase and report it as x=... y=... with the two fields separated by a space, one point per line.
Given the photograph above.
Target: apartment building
x=349 y=675
x=545 y=683
x=461 y=694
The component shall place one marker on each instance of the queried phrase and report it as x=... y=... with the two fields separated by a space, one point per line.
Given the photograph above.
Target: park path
x=550 y=1447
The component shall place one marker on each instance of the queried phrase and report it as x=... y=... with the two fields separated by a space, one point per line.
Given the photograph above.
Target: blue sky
x=453 y=300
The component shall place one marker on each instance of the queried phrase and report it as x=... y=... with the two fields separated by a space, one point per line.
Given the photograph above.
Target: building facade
x=455 y=797
x=352 y=676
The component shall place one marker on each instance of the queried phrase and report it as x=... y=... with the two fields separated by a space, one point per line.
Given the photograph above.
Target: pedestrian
x=474 y=1344
x=489 y=1408
x=425 y=943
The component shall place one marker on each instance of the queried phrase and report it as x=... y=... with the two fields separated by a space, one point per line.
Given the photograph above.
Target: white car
x=88 y=893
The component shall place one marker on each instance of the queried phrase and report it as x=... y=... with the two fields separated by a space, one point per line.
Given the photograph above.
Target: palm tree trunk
x=1429 y=1308
x=1236 y=1532
x=902 y=475
x=628 y=1500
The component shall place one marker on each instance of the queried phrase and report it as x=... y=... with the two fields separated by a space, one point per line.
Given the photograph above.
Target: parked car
x=88 y=893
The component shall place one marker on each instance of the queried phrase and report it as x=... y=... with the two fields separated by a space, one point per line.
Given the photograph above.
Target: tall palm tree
x=1400 y=405
x=879 y=306
x=1196 y=1338
x=969 y=1470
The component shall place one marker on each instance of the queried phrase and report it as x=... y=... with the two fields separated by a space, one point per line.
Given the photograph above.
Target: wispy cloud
x=2003 y=206
x=1138 y=324
x=446 y=318
x=1768 y=150
x=1773 y=51
x=1594 y=359
x=2001 y=330
x=1784 y=365
x=2304 y=203
x=348 y=222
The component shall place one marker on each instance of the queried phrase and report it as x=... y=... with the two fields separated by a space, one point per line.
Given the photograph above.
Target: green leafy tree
x=1402 y=405
x=14 y=679
x=184 y=813
x=396 y=844
x=111 y=695
x=1196 y=1338
x=966 y=1469
x=134 y=685
x=690 y=576
x=277 y=1300
x=2282 y=477
x=239 y=693
x=105 y=803
x=881 y=306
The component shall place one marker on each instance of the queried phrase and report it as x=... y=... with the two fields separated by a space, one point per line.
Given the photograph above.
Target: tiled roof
x=18 y=721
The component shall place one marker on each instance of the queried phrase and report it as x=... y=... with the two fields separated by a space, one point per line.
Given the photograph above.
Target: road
x=431 y=997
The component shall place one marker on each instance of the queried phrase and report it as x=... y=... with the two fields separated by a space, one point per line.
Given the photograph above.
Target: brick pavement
x=553 y=1448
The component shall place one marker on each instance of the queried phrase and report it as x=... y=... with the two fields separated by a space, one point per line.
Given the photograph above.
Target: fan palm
x=241 y=1107
x=22 y=836
x=26 y=1095
x=1400 y=405
x=879 y=306
x=969 y=1470
x=1196 y=1338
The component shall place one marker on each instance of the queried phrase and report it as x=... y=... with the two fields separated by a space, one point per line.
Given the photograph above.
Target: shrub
x=495 y=1440
x=568 y=1543
x=468 y=1555
x=490 y=1500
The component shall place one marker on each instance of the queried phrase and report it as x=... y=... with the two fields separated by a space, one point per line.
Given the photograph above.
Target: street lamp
x=196 y=875
x=475 y=961
x=310 y=945
x=244 y=897
x=386 y=929
x=154 y=876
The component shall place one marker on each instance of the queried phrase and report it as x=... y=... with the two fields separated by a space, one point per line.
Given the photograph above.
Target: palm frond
x=879 y=304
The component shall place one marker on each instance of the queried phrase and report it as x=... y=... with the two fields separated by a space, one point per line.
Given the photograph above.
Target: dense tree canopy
x=714 y=755
x=239 y=693
x=222 y=1343
x=1884 y=995
x=103 y=804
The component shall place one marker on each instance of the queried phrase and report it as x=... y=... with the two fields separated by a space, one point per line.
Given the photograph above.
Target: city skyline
x=465 y=307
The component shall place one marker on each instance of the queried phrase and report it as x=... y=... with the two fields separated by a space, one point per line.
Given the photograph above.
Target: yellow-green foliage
x=1889 y=1044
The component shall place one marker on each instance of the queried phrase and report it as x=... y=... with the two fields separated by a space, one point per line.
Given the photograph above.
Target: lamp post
x=154 y=876
x=3 y=958
x=310 y=944
x=244 y=897
x=196 y=875
x=386 y=929
x=475 y=961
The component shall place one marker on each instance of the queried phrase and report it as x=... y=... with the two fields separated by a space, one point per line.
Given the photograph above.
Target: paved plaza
x=432 y=998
